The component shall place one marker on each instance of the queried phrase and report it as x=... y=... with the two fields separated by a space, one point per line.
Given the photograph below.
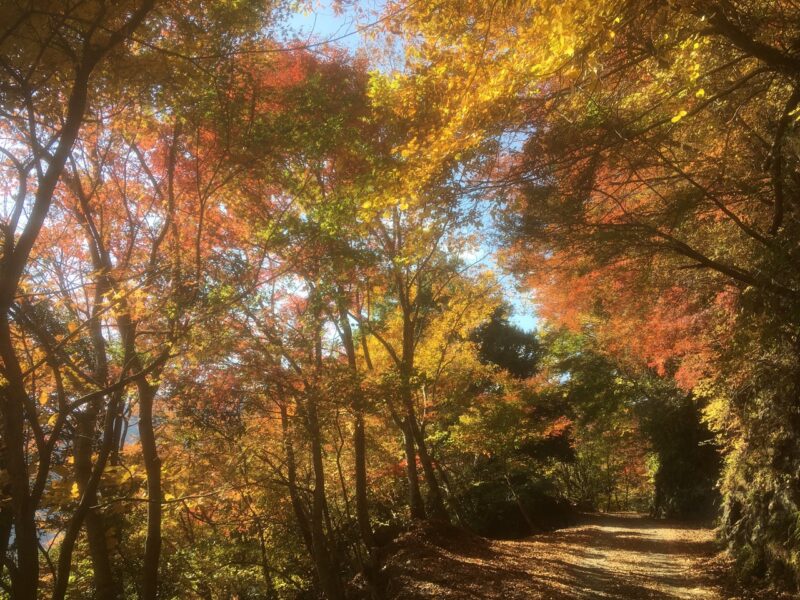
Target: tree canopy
x=257 y=292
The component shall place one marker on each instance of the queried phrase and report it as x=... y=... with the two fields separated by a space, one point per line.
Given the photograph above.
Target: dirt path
x=621 y=556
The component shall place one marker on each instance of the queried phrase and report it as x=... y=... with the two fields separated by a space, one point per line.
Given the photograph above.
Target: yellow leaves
x=409 y=149
x=401 y=260
x=169 y=497
x=74 y=492
x=137 y=302
x=117 y=474
x=44 y=397
x=679 y=116
x=700 y=93
x=377 y=205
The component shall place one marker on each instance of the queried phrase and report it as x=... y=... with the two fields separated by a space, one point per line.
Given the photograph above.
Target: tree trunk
x=437 y=508
x=297 y=504
x=326 y=572
x=451 y=494
x=362 y=508
x=415 y=497
x=25 y=577
x=105 y=586
x=406 y=368
x=359 y=434
x=152 y=465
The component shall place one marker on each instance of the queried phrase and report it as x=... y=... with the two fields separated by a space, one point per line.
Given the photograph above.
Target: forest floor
x=606 y=556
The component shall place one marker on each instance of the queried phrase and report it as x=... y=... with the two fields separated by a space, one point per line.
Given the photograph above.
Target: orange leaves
x=558 y=427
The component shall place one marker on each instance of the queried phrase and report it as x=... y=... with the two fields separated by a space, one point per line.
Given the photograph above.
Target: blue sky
x=324 y=23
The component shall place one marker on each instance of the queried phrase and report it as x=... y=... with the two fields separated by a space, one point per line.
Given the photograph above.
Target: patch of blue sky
x=322 y=23
x=347 y=24
x=484 y=256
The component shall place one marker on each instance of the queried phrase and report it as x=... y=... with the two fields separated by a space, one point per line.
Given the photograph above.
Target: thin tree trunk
x=359 y=434
x=437 y=508
x=152 y=465
x=297 y=504
x=325 y=563
x=451 y=495
x=105 y=586
x=362 y=507
x=152 y=462
x=328 y=577
x=436 y=504
x=414 y=496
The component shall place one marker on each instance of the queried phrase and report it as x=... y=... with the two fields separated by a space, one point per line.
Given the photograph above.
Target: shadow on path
x=607 y=556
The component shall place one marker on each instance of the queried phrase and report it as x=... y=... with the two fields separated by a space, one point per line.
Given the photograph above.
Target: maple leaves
x=239 y=300
x=94 y=288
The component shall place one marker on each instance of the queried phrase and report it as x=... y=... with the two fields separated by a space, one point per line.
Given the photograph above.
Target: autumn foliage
x=256 y=315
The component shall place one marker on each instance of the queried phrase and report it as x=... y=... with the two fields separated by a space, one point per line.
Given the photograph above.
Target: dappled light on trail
x=623 y=556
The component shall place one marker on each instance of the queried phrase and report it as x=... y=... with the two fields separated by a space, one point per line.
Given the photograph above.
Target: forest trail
x=606 y=556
